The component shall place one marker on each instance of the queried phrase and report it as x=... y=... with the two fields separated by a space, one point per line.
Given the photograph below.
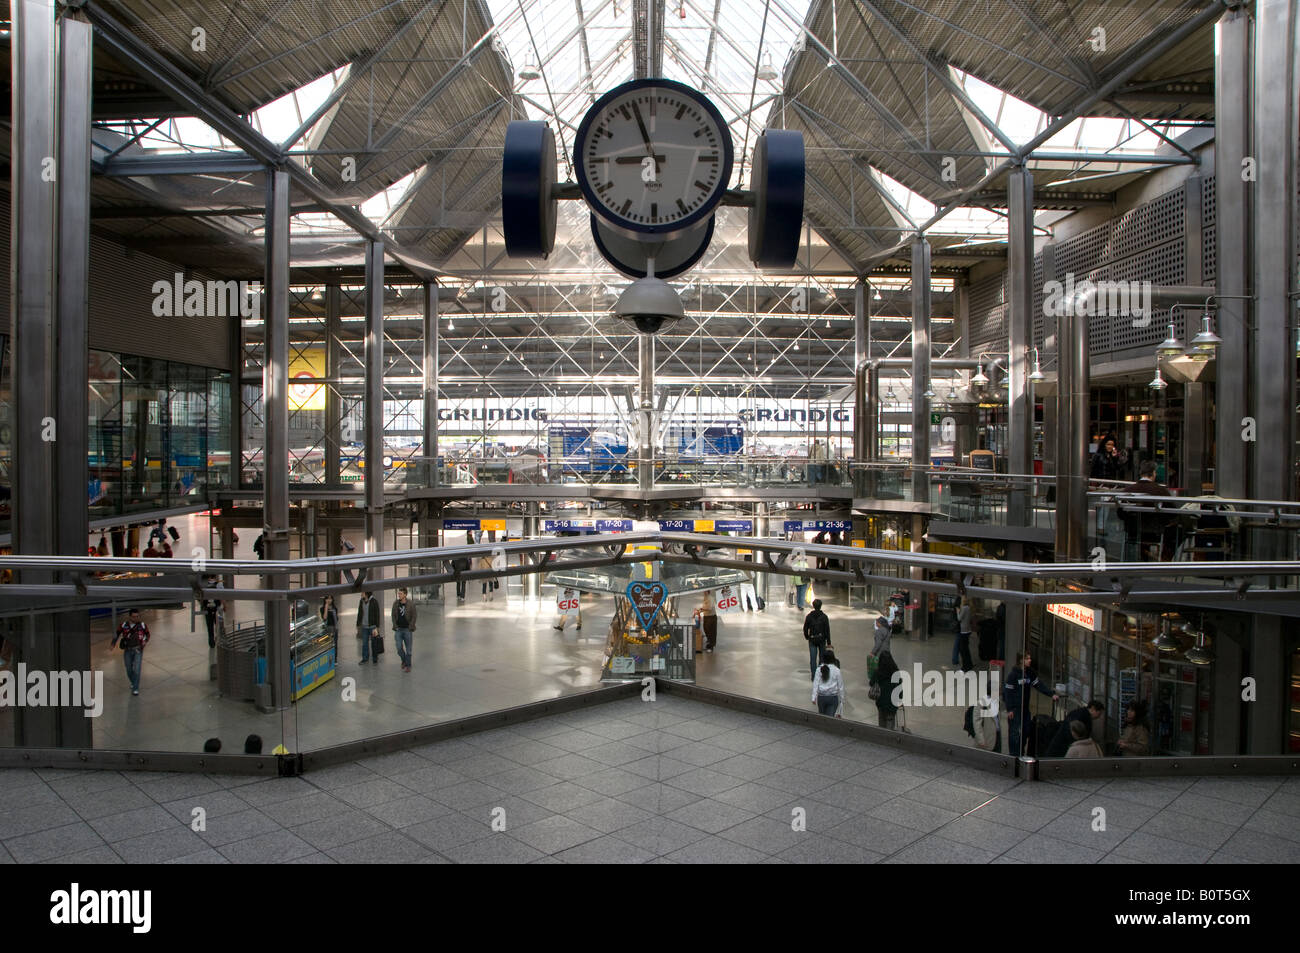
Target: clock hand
x=636 y=160
x=640 y=124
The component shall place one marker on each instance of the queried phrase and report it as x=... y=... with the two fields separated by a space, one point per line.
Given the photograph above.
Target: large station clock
x=653 y=157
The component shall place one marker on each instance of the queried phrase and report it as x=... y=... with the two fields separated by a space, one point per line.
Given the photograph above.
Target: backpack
x=969 y=723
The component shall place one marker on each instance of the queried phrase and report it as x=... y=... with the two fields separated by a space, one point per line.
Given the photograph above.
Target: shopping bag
x=376 y=645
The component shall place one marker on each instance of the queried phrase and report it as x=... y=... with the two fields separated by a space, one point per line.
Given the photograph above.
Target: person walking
x=490 y=586
x=882 y=689
x=367 y=624
x=883 y=633
x=403 y=626
x=961 y=645
x=214 y=611
x=459 y=565
x=828 y=689
x=709 y=621
x=1015 y=693
x=800 y=564
x=1062 y=740
x=134 y=636
x=817 y=633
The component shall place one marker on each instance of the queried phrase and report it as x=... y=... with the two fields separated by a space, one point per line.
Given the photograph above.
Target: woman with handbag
x=709 y=622
x=329 y=614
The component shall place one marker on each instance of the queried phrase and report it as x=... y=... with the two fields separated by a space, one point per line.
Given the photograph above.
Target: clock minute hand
x=636 y=160
x=640 y=124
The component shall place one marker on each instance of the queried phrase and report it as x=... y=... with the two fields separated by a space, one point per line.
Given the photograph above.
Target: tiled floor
x=673 y=780
x=470 y=658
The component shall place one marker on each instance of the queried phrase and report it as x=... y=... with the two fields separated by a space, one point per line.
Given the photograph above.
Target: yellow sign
x=498 y=525
x=306 y=369
x=704 y=526
x=860 y=543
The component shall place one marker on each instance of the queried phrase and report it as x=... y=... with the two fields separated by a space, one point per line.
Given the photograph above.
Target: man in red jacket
x=134 y=636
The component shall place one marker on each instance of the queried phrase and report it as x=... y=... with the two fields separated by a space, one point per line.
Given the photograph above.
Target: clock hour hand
x=636 y=160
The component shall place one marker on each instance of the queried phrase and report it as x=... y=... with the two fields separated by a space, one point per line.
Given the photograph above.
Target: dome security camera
x=649 y=303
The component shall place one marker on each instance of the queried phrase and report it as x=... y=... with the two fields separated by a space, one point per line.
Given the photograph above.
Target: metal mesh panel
x=1157 y=220
x=1209 y=231
x=988 y=312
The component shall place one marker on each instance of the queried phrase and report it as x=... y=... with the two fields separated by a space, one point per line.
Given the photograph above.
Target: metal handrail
x=1114 y=581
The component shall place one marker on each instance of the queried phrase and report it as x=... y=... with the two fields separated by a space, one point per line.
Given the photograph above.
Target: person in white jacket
x=828 y=687
x=988 y=730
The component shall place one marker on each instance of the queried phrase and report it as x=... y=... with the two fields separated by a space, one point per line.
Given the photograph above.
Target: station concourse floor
x=675 y=780
x=669 y=781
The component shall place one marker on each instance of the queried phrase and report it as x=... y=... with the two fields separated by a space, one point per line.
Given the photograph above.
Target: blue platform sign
x=646 y=599
x=613 y=526
x=460 y=524
x=733 y=526
x=677 y=526
x=818 y=526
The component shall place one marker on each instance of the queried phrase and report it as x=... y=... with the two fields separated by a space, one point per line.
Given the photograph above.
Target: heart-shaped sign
x=646 y=599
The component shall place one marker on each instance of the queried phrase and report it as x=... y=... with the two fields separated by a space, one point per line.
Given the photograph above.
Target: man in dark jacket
x=1016 y=695
x=368 y=620
x=817 y=632
x=1062 y=740
x=403 y=626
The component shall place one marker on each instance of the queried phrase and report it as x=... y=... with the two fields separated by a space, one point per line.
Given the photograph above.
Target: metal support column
x=275 y=478
x=645 y=355
x=1267 y=714
x=70 y=449
x=1233 y=108
x=1020 y=332
x=1277 y=127
x=532 y=581
x=1225 y=725
x=333 y=389
x=374 y=404
x=861 y=323
x=920 y=369
x=31 y=309
x=236 y=396
x=961 y=315
x=1049 y=392
x=1072 y=422
x=430 y=447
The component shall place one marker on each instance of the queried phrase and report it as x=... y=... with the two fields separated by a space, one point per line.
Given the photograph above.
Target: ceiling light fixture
x=1207 y=342
x=1158 y=382
x=530 y=70
x=980 y=377
x=1037 y=375
x=765 y=70
x=1170 y=346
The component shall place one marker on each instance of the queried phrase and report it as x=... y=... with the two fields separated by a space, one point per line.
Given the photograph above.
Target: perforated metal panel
x=1209 y=233
x=1143 y=244
x=988 y=313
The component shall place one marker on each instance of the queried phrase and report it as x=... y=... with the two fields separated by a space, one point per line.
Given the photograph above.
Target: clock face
x=653 y=157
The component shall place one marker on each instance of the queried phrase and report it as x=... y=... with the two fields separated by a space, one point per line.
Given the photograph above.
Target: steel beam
x=333 y=386
x=1276 y=130
x=1072 y=425
x=1235 y=234
x=158 y=70
x=430 y=367
x=275 y=457
x=72 y=297
x=1020 y=333
x=645 y=355
x=200 y=163
x=920 y=369
x=31 y=309
x=374 y=402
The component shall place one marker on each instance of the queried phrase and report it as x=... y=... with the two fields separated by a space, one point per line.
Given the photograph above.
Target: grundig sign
x=811 y=415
